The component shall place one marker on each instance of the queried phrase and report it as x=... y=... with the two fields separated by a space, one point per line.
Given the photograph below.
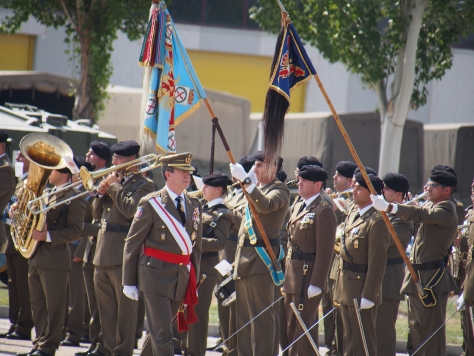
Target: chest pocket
x=355 y=237
x=160 y=232
x=306 y=222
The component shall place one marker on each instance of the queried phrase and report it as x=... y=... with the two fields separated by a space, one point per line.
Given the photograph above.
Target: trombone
x=87 y=180
x=337 y=195
x=415 y=199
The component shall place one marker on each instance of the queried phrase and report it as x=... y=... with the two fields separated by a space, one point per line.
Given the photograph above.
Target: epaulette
x=459 y=203
x=153 y=194
x=148 y=180
x=324 y=202
x=377 y=214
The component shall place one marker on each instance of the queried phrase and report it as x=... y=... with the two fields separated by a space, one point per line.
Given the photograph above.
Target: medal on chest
x=196 y=221
x=307 y=220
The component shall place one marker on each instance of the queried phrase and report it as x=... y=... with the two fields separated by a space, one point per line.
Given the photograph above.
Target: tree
x=406 y=42
x=91 y=26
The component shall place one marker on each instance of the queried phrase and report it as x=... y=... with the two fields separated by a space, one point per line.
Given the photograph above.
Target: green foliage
x=367 y=35
x=91 y=27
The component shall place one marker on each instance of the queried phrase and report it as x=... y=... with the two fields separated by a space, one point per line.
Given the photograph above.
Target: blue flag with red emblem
x=293 y=67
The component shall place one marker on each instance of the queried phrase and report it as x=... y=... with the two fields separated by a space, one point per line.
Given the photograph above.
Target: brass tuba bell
x=45 y=154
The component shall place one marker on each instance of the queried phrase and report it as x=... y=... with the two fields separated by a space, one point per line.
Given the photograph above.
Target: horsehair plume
x=273 y=120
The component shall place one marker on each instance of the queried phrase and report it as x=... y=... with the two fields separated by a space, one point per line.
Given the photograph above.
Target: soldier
x=255 y=289
x=168 y=224
x=429 y=257
x=115 y=205
x=99 y=156
x=395 y=190
x=312 y=229
x=333 y=331
x=364 y=247
x=74 y=321
x=49 y=267
x=227 y=315
x=467 y=296
x=216 y=225
x=20 y=308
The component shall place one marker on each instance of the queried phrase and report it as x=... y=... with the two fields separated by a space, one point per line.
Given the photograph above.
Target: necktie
x=179 y=206
x=357 y=216
x=301 y=208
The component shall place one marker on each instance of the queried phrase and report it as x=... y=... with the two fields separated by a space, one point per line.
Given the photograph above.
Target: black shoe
x=68 y=342
x=96 y=353
x=17 y=336
x=39 y=353
x=10 y=330
x=25 y=353
x=85 y=353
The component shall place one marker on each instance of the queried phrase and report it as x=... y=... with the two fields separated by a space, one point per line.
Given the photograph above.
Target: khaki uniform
x=213 y=240
x=387 y=312
x=255 y=289
x=227 y=315
x=19 y=312
x=312 y=233
x=468 y=288
x=364 y=248
x=163 y=284
x=432 y=244
x=118 y=314
x=49 y=270
x=7 y=188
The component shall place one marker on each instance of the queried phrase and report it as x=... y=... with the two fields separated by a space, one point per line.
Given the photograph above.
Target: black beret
x=397 y=182
x=444 y=175
x=367 y=169
x=3 y=136
x=126 y=148
x=308 y=161
x=217 y=179
x=376 y=181
x=313 y=173
x=64 y=170
x=102 y=150
x=247 y=162
x=346 y=168
x=81 y=162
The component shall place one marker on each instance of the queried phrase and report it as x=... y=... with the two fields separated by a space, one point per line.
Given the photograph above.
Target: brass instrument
x=87 y=179
x=414 y=200
x=45 y=154
x=292 y=182
x=337 y=195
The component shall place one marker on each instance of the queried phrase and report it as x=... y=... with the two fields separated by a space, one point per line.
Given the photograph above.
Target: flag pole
x=419 y=287
x=254 y=211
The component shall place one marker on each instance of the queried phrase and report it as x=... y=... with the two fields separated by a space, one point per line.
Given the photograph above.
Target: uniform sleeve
x=139 y=230
x=274 y=200
x=440 y=214
x=127 y=205
x=325 y=237
x=379 y=240
x=220 y=233
x=74 y=221
x=404 y=231
x=81 y=248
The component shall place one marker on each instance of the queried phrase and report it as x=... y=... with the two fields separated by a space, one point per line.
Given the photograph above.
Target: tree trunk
x=393 y=119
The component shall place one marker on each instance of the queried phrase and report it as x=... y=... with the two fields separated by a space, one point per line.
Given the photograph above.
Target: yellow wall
x=16 y=52
x=242 y=75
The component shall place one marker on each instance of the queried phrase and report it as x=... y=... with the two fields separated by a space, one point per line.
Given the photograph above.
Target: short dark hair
x=166 y=169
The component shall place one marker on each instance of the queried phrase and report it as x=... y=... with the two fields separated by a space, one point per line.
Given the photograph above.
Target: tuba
x=45 y=154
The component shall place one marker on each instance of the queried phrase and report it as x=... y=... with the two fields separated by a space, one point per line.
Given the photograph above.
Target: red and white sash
x=176 y=228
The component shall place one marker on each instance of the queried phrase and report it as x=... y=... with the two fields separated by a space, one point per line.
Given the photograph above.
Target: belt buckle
x=290 y=252
x=103 y=226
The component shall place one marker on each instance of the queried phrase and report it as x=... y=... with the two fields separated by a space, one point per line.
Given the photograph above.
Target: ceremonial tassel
x=276 y=107
x=182 y=324
x=191 y=315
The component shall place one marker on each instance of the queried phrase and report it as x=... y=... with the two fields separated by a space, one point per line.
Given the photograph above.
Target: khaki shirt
x=148 y=229
x=311 y=231
x=366 y=241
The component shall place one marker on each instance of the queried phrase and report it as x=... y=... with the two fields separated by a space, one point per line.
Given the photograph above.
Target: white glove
x=313 y=291
x=252 y=175
x=238 y=171
x=198 y=181
x=131 y=292
x=460 y=303
x=379 y=202
x=366 y=304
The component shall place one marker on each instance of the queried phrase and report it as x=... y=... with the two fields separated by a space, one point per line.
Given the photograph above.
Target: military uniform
x=312 y=233
x=49 y=269
x=468 y=291
x=118 y=314
x=362 y=267
x=7 y=177
x=255 y=289
x=387 y=312
x=163 y=283
x=227 y=315
x=213 y=240
x=429 y=253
